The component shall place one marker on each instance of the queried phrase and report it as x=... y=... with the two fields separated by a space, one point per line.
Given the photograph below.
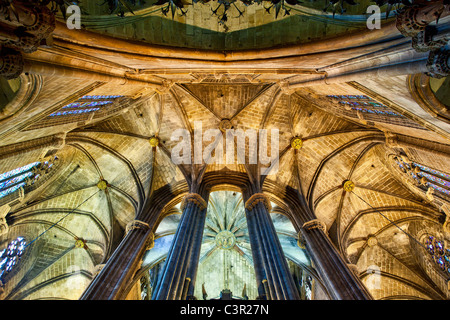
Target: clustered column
x=274 y=279
x=178 y=276
x=111 y=282
x=342 y=283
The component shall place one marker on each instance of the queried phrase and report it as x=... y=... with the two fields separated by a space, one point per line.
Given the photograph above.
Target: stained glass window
x=15 y=179
x=10 y=256
x=86 y=104
x=440 y=254
x=364 y=104
x=425 y=176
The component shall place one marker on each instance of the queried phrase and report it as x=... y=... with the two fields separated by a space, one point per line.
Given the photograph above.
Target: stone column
x=272 y=271
x=341 y=282
x=111 y=282
x=178 y=275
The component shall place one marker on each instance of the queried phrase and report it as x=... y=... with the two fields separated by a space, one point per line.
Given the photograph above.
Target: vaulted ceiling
x=116 y=148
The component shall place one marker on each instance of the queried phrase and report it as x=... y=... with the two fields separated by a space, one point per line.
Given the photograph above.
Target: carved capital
x=195 y=198
x=438 y=63
x=255 y=199
x=11 y=63
x=406 y=22
x=137 y=224
x=425 y=40
x=315 y=224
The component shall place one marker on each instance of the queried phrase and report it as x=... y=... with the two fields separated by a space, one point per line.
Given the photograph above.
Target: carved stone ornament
x=406 y=21
x=225 y=124
x=348 y=186
x=154 y=141
x=372 y=241
x=438 y=63
x=423 y=41
x=296 y=143
x=315 y=224
x=11 y=63
x=255 y=199
x=102 y=184
x=137 y=224
x=195 y=198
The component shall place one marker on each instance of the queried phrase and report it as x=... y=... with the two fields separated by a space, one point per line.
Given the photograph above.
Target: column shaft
x=266 y=247
x=184 y=252
x=112 y=280
x=341 y=282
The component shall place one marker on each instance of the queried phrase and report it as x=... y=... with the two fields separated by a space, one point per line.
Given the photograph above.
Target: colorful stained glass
x=439 y=253
x=86 y=104
x=438 y=188
x=10 y=256
x=5 y=192
x=70 y=112
x=17 y=171
x=434 y=178
x=432 y=171
x=8 y=183
x=97 y=97
x=365 y=104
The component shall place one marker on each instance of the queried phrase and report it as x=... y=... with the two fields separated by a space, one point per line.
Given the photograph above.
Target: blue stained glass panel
x=97 y=97
x=432 y=171
x=434 y=179
x=17 y=171
x=10 y=182
x=10 y=256
x=69 y=112
x=12 y=189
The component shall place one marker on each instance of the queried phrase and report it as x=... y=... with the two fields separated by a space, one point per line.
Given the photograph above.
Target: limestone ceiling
x=117 y=149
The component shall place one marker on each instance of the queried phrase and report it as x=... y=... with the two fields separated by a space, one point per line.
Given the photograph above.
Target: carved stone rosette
x=255 y=199
x=195 y=198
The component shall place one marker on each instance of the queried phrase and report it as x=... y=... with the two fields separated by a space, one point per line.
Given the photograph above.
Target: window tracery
x=424 y=176
x=10 y=256
x=84 y=109
x=86 y=104
x=13 y=180
x=366 y=108
x=439 y=253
